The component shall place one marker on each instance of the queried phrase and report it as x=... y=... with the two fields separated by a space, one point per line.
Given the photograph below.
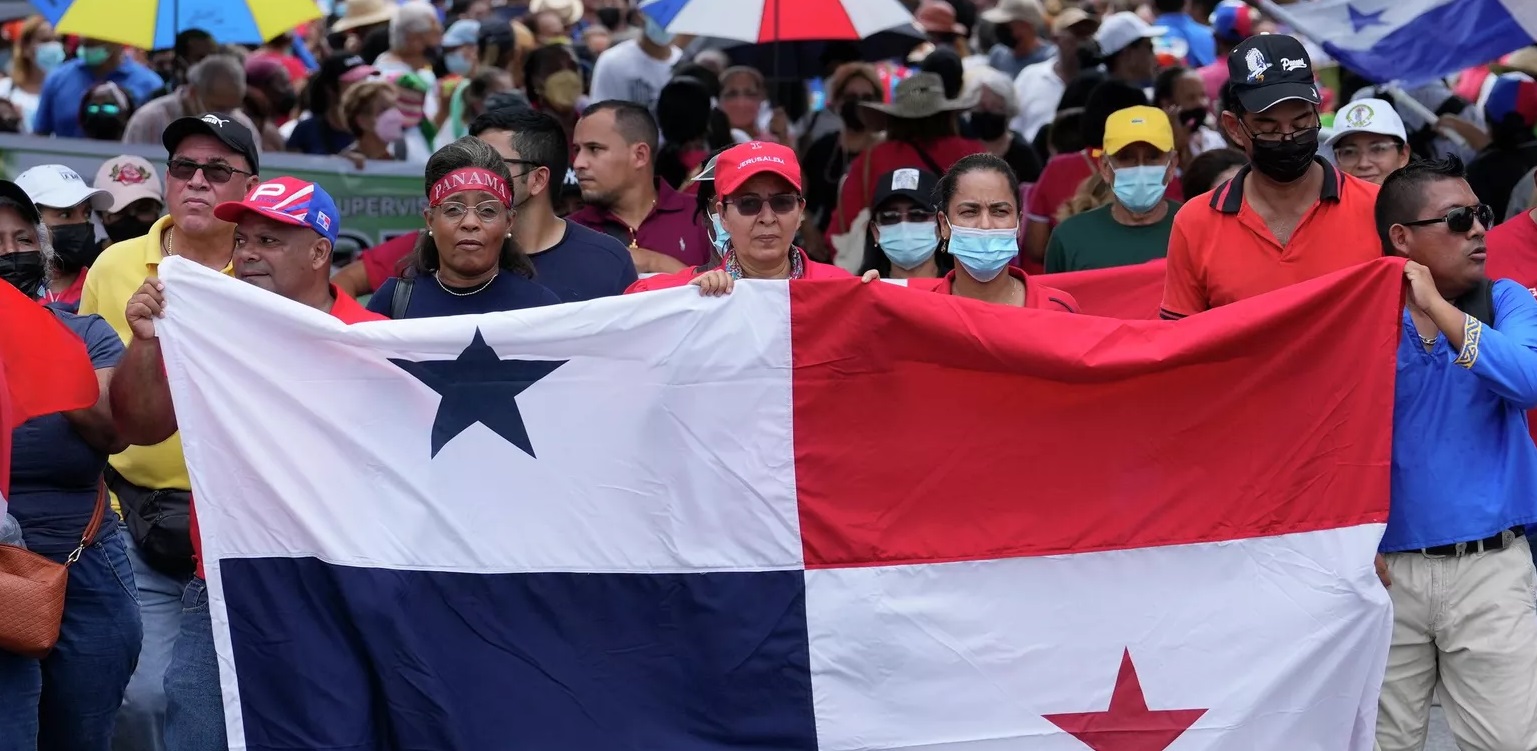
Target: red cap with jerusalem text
x=738 y=164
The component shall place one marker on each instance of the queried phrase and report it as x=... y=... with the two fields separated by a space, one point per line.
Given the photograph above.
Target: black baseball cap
x=23 y=201
x=1269 y=69
x=907 y=182
x=232 y=134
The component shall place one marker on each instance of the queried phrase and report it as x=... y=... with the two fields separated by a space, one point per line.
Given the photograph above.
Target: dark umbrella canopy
x=807 y=60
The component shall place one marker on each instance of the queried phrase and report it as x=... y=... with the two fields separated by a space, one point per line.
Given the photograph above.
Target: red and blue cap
x=1512 y=94
x=1233 y=21
x=290 y=201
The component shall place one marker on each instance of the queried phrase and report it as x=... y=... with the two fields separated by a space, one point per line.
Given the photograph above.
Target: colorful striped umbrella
x=153 y=24
x=778 y=20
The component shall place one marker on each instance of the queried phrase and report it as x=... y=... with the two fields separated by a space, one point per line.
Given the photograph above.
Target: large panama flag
x=811 y=515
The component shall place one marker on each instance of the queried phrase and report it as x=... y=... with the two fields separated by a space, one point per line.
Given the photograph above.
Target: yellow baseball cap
x=1138 y=124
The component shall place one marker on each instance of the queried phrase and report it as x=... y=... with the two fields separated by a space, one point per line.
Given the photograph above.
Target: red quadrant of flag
x=995 y=432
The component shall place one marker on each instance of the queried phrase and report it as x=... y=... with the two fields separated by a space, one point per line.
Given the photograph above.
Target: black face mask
x=75 y=245
x=609 y=17
x=1004 y=33
x=284 y=103
x=1287 y=160
x=1193 y=118
x=1087 y=55
x=24 y=271
x=126 y=228
x=10 y=125
x=103 y=127
x=989 y=126
x=849 y=113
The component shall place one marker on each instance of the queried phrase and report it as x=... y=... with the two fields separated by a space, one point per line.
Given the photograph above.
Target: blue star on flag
x=1363 y=20
x=479 y=386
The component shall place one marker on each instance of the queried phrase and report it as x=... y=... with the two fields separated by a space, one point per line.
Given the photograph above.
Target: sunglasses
x=916 y=216
x=103 y=109
x=781 y=203
x=1461 y=218
x=215 y=172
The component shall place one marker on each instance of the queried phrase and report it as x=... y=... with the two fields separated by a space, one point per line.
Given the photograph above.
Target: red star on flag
x=1128 y=725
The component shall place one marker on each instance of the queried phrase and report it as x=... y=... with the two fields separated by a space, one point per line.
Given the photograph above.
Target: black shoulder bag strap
x=402 y=297
x=1479 y=302
x=924 y=155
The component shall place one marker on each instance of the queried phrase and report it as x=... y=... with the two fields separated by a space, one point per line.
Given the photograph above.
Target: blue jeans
x=194 y=719
x=69 y=700
x=141 y=722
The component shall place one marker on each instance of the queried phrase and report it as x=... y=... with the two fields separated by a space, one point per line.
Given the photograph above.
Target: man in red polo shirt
x=616 y=145
x=1288 y=216
x=284 y=232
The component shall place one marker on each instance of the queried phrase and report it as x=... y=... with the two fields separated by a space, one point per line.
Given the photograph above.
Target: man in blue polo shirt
x=1186 y=37
x=96 y=62
x=1464 y=477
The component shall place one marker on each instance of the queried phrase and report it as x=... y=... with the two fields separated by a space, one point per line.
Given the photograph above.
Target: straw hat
x=916 y=97
x=569 y=11
x=365 y=13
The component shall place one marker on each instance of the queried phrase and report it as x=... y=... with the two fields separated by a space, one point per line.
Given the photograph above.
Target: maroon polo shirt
x=670 y=228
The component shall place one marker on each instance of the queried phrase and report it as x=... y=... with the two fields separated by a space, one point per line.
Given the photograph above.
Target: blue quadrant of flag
x=685 y=662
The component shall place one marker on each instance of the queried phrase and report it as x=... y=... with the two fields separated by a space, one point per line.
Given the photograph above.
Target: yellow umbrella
x=154 y=24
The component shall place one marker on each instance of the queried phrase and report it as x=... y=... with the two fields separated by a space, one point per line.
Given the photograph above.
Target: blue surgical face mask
x=909 y=244
x=984 y=253
x=457 y=64
x=1140 y=189
x=92 y=56
x=48 y=55
x=657 y=34
x=722 y=235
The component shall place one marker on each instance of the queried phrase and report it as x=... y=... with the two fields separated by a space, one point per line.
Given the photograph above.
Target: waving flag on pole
x=777 y=20
x=1413 y=41
x=673 y=522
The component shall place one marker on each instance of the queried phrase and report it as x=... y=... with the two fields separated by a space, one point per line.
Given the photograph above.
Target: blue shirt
x=1004 y=59
x=1200 y=45
x=507 y=291
x=58 y=105
x=54 y=472
x=584 y=265
x=314 y=135
x=1464 y=466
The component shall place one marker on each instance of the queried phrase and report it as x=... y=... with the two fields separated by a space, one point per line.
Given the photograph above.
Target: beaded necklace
x=734 y=267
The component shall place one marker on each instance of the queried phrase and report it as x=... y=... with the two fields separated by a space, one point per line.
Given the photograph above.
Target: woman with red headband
x=467 y=262
x=759 y=202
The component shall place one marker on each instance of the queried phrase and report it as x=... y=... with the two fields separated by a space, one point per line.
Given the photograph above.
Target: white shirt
x=624 y=71
x=26 y=102
x=1039 y=90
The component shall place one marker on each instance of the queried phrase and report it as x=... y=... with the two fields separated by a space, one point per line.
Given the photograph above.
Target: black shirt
x=1494 y=173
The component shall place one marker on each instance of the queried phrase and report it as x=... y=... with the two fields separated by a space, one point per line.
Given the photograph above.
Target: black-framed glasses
x=915 y=215
x=524 y=163
x=108 y=109
x=1460 y=219
x=781 y=203
x=216 y=172
x=1276 y=136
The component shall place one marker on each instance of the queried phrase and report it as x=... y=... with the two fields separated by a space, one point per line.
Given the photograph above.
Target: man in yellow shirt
x=212 y=159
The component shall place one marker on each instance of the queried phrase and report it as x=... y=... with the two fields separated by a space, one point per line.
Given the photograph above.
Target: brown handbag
x=32 y=592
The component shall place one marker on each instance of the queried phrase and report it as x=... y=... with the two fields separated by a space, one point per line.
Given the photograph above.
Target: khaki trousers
x=1466 y=627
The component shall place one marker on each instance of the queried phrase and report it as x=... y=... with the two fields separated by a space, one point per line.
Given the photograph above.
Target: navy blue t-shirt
x=584 y=265
x=507 y=291
x=314 y=135
x=54 y=472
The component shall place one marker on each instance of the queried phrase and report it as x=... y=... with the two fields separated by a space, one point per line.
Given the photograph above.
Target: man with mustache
x=212 y=159
x=284 y=231
x=1464 y=476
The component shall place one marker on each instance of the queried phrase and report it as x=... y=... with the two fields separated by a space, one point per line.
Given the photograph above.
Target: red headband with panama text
x=466 y=179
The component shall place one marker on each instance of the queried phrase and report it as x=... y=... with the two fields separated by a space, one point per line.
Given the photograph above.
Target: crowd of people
x=572 y=152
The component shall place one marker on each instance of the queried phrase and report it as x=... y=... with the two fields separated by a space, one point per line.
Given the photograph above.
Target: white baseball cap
x=129 y=178
x=1119 y=30
x=1368 y=116
x=59 y=187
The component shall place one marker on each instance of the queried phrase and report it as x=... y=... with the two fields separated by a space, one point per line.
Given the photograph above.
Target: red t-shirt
x=888 y=156
x=1037 y=295
x=682 y=277
x=69 y=296
x=384 y=260
x=346 y=310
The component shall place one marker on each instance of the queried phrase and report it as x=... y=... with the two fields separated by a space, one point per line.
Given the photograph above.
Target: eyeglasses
x=486 y=211
x=914 y=215
x=111 y=110
x=1373 y=151
x=216 y=172
x=781 y=203
x=524 y=163
x=1461 y=218
x=1276 y=136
